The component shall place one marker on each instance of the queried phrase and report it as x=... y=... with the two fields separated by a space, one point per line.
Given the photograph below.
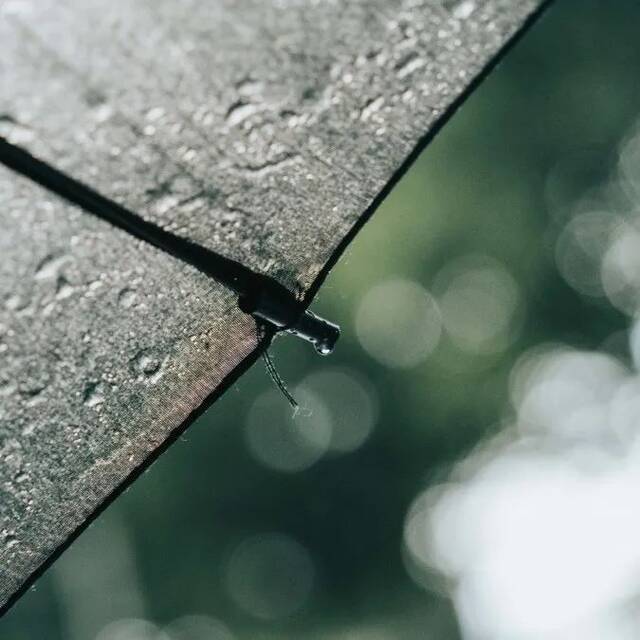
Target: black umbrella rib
x=233 y=275
x=261 y=296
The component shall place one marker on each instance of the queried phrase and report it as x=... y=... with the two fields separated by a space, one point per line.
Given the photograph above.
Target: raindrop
x=9 y=538
x=63 y=288
x=93 y=394
x=165 y=203
x=463 y=10
x=12 y=459
x=103 y=112
x=49 y=266
x=249 y=87
x=10 y=541
x=16 y=302
x=154 y=114
x=7 y=387
x=372 y=107
x=16 y=132
x=148 y=366
x=239 y=112
x=127 y=298
x=32 y=391
x=29 y=429
x=94 y=286
x=408 y=65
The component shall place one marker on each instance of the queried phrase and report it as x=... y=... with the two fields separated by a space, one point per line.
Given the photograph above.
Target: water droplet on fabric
x=127 y=298
x=148 y=365
x=239 y=112
x=93 y=394
x=50 y=266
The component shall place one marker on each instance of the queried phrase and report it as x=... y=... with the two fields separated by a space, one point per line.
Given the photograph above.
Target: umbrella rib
x=263 y=297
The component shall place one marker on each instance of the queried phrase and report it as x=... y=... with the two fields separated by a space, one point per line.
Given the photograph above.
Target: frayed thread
x=279 y=382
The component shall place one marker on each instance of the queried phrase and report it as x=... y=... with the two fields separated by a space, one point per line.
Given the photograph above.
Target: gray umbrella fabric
x=263 y=130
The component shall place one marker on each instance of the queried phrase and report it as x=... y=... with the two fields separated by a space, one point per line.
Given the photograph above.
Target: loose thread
x=279 y=382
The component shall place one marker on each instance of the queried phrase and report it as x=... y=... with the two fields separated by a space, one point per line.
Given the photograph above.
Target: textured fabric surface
x=262 y=129
x=106 y=346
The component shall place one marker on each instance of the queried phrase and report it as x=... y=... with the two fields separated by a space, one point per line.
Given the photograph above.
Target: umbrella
x=183 y=177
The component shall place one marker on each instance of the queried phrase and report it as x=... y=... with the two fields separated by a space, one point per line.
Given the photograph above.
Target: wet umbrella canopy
x=262 y=132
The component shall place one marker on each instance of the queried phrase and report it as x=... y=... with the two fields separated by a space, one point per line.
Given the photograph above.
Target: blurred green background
x=256 y=525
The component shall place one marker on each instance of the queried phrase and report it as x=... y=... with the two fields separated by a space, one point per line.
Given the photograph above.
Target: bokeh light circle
x=629 y=164
x=270 y=576
x=351 y=402
x=131 y=629
x=284 y=441
x=621 y=269
x=480 y=303
x=197 y=627
x=398 y=323
x=580 y=248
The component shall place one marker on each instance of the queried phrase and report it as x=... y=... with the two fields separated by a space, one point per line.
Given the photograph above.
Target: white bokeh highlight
x=535 y=534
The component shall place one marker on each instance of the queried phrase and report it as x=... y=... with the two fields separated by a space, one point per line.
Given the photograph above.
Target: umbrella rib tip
x=321 y=333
